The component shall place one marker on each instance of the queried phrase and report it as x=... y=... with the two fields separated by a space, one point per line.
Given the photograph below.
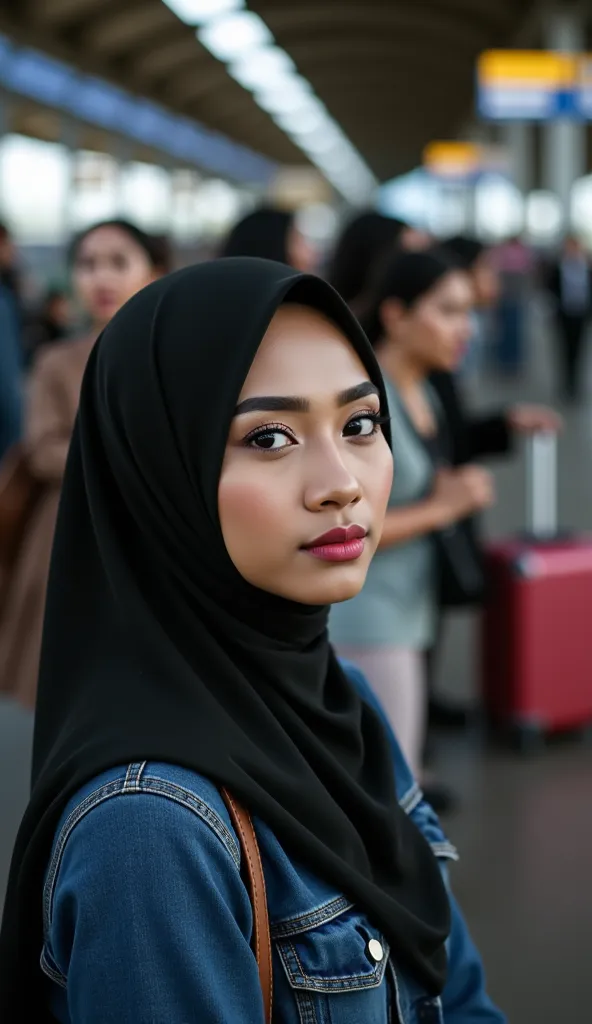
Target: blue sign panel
x=527 y=85
x=96 y=102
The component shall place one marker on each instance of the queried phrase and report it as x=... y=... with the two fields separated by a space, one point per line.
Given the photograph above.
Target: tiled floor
x=525 y=826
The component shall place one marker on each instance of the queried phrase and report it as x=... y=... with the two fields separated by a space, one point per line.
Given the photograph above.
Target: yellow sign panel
x=585 y=70
x=515 y=68
x=452 y=158
x=456 y=158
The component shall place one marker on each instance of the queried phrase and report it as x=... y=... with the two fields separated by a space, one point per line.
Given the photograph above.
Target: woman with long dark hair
x=366 y=241
x=476 y=434
x=418 y=322
x=271 y=234
x=110 y=262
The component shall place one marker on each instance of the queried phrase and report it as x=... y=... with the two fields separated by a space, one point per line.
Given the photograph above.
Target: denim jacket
x=147 y=919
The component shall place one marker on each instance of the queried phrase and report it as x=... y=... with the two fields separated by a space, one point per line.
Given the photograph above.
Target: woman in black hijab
x=230 y=416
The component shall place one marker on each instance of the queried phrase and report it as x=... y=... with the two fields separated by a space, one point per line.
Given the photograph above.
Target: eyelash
x=376 y=418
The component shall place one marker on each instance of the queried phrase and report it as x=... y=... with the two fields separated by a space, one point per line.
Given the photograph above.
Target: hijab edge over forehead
x=313 y=293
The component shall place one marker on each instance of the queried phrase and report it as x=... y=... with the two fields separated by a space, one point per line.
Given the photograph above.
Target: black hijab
x=156 y=648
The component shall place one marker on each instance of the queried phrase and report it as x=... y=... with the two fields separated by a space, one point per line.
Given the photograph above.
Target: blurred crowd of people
x=436 y=312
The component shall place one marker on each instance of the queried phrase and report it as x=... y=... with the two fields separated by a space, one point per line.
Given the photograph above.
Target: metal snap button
x=375 y=950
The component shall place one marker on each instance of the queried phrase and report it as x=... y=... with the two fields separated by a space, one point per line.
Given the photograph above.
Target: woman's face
x=301 y=254
x=305 y=456
x=485 y=280
x=58 y=310
x=109 y=268
x=415 y=240
x=435 y=332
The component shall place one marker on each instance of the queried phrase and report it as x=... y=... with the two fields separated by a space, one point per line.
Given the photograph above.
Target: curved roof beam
x=158 y=61
x=287 y=22
x=114 y=33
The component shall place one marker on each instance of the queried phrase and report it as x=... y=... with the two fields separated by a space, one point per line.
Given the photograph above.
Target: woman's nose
x=333 y=485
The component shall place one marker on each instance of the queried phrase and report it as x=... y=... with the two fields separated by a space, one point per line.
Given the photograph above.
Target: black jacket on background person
x=570 y=329
x=553 y=284
x=472 y=436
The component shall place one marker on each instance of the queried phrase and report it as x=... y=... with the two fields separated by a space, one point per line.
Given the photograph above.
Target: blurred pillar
x=471 y=225
x=121 y=154
x=518 y=140
x=70 y=140
x=564 y=141
x=4 y=113
x=170 y=168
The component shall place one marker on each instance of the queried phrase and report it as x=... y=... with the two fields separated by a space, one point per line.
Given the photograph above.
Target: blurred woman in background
x=419 y=322
x=477 y=259
x=364 y=241
x=364 y=244
x=51 y=323
x=272 y=235
x=476 y=435
x=110 y=262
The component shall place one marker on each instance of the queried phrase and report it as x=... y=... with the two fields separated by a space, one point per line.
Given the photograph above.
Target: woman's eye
x=362 y=426
x=270 y=440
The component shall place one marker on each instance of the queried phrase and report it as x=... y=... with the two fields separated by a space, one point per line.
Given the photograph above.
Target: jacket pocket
x=336 y=970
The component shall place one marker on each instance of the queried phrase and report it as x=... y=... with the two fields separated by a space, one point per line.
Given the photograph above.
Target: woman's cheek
x=252 y=509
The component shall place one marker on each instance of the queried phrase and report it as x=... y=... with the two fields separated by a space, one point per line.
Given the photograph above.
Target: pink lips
x=342 y=544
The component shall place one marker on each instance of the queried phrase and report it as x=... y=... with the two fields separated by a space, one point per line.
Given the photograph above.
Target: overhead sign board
x=584 y=87
x=456 y=160
x=527 y=85
x=452 y=159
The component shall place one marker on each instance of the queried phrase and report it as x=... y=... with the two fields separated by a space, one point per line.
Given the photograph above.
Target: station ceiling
x=393 y=73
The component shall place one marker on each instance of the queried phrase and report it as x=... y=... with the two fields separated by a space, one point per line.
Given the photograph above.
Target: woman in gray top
x=419 y=322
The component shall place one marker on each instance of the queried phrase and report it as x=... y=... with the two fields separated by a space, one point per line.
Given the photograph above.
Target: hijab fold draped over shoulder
x=155 y=648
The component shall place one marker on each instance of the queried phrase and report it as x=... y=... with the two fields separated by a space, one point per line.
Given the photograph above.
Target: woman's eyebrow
x=293 y=403
x=358 y=391
x=272 y=403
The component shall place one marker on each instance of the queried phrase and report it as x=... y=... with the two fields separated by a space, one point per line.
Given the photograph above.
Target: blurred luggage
x=536 y=641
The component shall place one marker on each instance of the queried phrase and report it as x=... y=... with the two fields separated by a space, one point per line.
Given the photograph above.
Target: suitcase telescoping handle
x=541 y=485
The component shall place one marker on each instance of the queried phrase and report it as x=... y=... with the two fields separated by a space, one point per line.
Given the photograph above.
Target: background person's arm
x=410 y=521
x=457 y=493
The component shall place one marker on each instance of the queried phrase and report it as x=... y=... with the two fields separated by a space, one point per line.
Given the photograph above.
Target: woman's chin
x=340 y=584
x=327 y=583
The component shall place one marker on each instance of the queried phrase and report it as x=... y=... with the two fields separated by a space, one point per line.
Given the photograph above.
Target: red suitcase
x=536 y=635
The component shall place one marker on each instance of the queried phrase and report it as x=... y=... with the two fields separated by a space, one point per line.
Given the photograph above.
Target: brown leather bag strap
x=241 y=820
